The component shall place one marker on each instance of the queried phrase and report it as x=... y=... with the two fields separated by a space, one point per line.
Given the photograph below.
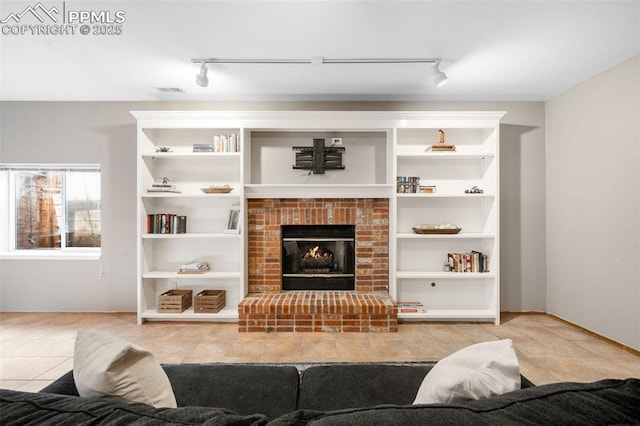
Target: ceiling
x=491 y=50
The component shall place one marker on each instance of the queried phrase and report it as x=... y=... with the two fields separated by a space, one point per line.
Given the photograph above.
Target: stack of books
x=410 y=307
x=440 y=147
x=163 y=187
x=203 y=147
x=194 y=268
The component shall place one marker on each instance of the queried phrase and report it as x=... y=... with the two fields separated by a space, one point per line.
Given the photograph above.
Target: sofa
x=323 y=394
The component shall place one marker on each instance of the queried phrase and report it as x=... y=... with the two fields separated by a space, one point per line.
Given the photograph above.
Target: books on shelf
x=407 y=184
x=163 y=187
x=194 y=268
x=474 y=261
x=202 y=147
x=166 y=223
x=442 y=147
x=410 y=307
x=220 y=143
x=227 y=143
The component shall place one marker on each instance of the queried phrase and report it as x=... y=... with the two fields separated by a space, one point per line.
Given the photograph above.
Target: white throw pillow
x=107 y=367
x=477 y=371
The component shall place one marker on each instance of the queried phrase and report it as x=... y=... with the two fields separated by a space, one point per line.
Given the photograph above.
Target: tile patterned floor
x=36 y=348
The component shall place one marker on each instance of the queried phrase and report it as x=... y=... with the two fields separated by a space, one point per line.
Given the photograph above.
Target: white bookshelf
x=161 y=254
x=418 y=259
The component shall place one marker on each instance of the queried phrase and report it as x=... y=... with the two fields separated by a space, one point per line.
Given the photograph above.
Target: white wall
x=104 y=132
x=364 y=158
x=593 y=204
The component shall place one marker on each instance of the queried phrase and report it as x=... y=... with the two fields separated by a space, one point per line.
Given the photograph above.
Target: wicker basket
x=175 y=301
x=419 y=230
x=209 y=301
x=217 y=190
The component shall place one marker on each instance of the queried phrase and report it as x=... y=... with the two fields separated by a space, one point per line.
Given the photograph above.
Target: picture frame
x=233 y=221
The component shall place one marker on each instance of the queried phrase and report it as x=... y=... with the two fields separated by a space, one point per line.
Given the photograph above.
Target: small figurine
x=165 y=180
x=442 y=145
x=473 y=190
x=163 y=149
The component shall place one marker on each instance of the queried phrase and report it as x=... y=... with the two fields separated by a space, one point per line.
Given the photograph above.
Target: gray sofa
x=327 y=394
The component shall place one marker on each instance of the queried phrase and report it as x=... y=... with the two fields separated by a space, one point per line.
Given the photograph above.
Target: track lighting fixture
x=439 y=78
x=201 y=78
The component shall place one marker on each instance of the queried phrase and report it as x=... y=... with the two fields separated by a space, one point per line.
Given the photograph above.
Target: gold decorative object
x=442 y=145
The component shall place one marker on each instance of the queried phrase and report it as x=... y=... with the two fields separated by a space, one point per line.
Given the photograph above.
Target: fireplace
x=266 y=218
x=318 y=257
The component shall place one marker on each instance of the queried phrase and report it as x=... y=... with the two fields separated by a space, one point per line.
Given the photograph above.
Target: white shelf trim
x=192 y=235
x=460 y=236
x=189 y=314
x=191 y=155
x=187 y=195
x=444 y=156
x=450 y=314
x=206 y=275
x=318 y=191
x=444 y=275
x=443 y=195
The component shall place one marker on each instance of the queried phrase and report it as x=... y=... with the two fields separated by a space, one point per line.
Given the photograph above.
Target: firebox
x=318 y=257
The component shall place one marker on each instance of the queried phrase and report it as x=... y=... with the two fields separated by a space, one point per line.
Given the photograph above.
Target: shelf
x=191 y=155
x=444 y=275
x=465 y=314
x=460 y=236
x=318 y=191
x=205 y=276
x=444 y=195
x=227 y=313
x=192 y=235
x=187 y=195
x=444 y=156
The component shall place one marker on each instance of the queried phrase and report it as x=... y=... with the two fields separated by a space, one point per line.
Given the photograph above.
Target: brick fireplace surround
x=367 y=309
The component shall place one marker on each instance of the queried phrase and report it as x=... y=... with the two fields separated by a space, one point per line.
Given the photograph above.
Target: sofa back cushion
x=244 y=388
x=339 y=386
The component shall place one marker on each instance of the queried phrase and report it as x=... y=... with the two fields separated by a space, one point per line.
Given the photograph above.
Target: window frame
x=8 y=249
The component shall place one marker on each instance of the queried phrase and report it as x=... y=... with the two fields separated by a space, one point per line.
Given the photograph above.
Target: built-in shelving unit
x=419 y=274
x=380 y=146
x=206 y=240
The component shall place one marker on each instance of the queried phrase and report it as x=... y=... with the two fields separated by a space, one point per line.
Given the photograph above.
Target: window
x=53 y=207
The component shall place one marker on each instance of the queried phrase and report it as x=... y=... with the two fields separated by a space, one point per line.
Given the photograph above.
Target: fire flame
x=315 y=253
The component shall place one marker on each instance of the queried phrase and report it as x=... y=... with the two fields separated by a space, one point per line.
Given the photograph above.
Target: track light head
x=439 y=78
x=201 y=78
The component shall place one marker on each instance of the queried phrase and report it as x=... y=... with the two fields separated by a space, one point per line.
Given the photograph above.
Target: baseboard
x=597 y=335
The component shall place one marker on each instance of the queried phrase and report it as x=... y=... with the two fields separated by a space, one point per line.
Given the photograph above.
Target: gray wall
x=104 y=132
x=593 y=204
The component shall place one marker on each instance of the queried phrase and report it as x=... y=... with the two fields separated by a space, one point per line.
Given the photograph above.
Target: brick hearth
x=318 y=311
x=268 y=308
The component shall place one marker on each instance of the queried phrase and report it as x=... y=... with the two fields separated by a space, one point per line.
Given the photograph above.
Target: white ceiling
x=491 y=50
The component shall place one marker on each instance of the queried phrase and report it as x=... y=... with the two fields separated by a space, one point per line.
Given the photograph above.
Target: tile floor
x=36 y=348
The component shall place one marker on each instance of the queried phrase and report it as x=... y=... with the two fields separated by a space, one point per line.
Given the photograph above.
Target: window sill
x=29 y=255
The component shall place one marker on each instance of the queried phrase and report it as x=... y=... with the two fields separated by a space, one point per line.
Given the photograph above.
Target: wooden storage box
x=209 y=301
x=175 y=301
